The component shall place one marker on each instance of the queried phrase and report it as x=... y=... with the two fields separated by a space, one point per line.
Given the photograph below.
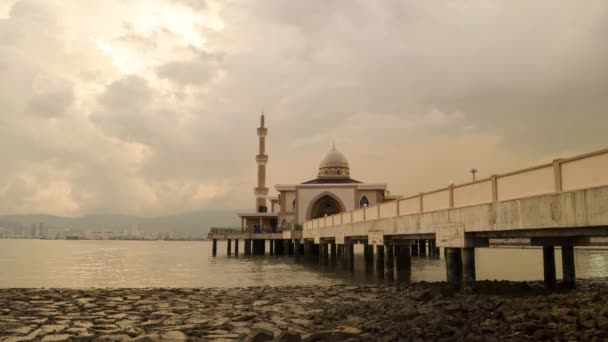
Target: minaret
x=261 y=191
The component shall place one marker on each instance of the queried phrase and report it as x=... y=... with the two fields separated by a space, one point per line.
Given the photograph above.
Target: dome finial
x=262 y=118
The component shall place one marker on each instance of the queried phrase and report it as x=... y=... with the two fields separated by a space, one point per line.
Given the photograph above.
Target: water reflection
x=81 y=264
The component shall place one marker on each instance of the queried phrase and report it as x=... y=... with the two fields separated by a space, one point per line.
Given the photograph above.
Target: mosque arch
x=325 y=204
x=284 y=223
x=364 y=202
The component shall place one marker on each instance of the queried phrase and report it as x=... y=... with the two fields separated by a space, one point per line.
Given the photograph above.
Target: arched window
x=364 y=202
x=293 y=205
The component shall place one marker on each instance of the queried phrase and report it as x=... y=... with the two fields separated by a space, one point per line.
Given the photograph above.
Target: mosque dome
x=334 y=165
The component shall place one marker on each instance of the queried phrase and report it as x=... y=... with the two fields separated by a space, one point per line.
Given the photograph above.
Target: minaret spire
x=261 y=191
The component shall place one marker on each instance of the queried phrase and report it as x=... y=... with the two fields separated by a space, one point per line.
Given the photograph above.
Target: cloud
x=415 y=93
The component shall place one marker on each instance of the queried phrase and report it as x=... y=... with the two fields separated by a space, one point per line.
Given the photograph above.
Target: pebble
x=495 y=311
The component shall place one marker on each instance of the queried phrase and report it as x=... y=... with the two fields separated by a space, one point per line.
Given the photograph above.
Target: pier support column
x=468 y=269
x=549 y=266
x=380 y=261
x=214 y=247
x=403 y=261
x=389 y=262
x=296 y=248
x=236 y=247
x=454 y=267
x=285 y=247
x=333 y=249
x=422 y=247
x=247 y=246
x=229 y=246
x=350 y=252
x=568 y=267
x=415 y=246
x=272 y=244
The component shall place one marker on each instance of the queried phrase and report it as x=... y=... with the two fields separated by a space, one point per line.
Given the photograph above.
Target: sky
x=150 y=107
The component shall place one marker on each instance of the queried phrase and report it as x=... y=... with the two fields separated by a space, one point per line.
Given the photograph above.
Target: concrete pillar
x=236 y=247
x=422 y=247
x=340 y=250
x=350 y=251
x=568 y=267
x=389 y=261
x=285 y=247
x=247 y=246
x=296 y=247
x=415 y=247
x=454 y=267
x=229 y=246
x=468 y=269
x=549 y=266
x=380 y=261
x=324 y=250
x=333 y=250
x=403 y=261
x=432 y=247
x=214 y=247
x=272 y=243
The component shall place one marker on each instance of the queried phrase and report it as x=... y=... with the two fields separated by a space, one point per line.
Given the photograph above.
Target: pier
x=560 y=204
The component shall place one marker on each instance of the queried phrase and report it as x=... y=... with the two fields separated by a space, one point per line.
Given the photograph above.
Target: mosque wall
x=374 y=197
x=306 y=195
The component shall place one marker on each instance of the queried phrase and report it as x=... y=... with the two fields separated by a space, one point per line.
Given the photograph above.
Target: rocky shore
x=497 y=311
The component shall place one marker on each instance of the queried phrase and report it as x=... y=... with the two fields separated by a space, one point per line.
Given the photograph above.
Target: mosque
x=331 y=192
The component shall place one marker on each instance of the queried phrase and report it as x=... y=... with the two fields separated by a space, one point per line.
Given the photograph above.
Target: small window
x=364 y=202
x=293 y=205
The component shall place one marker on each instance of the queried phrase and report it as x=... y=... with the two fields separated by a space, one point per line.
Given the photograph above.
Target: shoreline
x=497 y=310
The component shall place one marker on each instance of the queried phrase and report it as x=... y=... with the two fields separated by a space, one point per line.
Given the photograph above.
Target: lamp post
x=473 y=172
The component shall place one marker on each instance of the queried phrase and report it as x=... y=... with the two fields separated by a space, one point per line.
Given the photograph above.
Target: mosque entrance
x=325 y=206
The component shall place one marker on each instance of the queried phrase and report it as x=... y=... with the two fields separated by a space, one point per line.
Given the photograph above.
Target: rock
x=422 y=295
x=588 y=324
x=259 y=335
x=56 y=338
x=333 y=335
x=289 y=336
x=602 y=322
x=173 y=336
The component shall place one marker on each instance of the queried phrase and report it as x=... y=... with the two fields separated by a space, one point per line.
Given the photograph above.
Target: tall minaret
x=261 y=191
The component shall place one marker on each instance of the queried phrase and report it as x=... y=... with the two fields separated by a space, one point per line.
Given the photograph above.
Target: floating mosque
x=332 y=191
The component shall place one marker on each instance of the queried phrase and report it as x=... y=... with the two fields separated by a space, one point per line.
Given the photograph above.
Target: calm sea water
x=83 y=264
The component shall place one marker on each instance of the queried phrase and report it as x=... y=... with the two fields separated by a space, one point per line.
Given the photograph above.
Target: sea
x=139 y=264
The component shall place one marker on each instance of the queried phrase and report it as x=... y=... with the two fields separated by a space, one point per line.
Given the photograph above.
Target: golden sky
x=149 y=107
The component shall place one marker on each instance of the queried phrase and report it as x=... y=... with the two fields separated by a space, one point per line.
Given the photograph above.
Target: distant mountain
x=196 y=223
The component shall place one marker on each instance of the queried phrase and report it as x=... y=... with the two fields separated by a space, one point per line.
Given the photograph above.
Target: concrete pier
x=247 y=247
x=454 y=267
x=568 y=268
x=380 y=261
x=297 y=248
x=549 y=266
x=324 y=251
x=389 y=262
x=415 y=247
x=468 y=269
x=236 y=247
x=333 y=250
x=422 y=247
x=229 y=246
x=403 y=262
x=350 y=252
x=214 y=248
x=272 y=244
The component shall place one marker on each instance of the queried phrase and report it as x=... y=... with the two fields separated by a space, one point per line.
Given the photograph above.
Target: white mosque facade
x=331 y=192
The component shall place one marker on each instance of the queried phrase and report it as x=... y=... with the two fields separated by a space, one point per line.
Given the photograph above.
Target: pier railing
x=562 y=175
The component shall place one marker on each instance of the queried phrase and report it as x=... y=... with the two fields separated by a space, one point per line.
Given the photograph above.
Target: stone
x=259 y=335
x=56 y=338
x=289 y=336
x=602 y=322
x=173 y=336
